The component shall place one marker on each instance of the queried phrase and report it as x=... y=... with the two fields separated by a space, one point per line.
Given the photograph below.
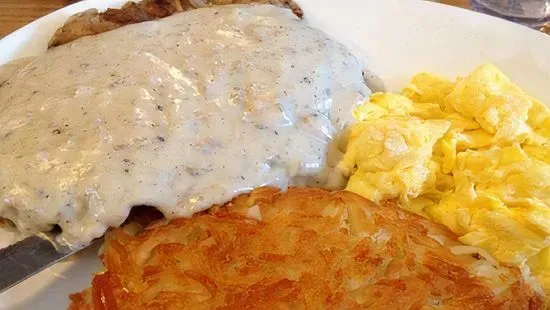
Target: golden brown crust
x=312 y=249
x=92 y=22
x=5 y=221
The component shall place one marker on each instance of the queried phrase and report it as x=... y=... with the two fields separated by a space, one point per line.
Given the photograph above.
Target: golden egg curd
x=473 y=155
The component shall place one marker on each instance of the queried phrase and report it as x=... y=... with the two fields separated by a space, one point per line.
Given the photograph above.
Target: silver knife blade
x=27 y=257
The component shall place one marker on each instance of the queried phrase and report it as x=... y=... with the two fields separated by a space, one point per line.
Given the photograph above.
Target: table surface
x=14 y=14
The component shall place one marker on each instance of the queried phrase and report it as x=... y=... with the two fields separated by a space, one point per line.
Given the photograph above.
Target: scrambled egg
x=473 y=155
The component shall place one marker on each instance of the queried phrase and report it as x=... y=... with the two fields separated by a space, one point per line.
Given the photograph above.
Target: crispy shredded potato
x=302 y=249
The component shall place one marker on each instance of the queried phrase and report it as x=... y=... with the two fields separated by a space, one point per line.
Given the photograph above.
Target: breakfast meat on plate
x=178 y=113
x=92 y=21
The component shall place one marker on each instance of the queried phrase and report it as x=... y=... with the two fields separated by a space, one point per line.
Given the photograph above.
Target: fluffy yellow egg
x=392 y=156
x=473 y=155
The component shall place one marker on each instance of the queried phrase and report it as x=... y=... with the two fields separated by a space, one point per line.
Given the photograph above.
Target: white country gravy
x=179 y=114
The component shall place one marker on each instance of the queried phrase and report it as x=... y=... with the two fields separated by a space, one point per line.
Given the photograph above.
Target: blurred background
x=15 y=14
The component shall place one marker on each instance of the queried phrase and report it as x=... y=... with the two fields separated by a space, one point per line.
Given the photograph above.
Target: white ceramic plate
x=398 y=38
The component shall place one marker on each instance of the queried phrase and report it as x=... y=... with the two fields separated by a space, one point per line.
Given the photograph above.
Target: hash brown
x=301 y=249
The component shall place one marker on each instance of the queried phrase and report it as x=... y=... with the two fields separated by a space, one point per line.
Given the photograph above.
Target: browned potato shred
x=302 y=249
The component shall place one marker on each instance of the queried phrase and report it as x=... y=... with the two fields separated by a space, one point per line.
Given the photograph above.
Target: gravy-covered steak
x=92 y=21
x=177 y=113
